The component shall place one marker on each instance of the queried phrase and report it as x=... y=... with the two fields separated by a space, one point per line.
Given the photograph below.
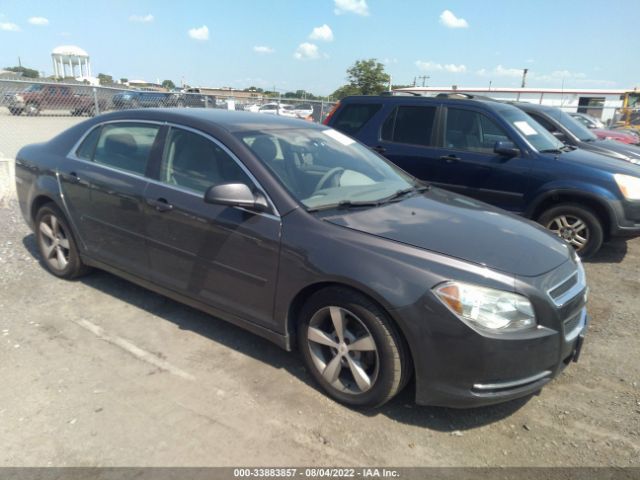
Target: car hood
x=460 y=227
x=614 y=149
x=600 y=161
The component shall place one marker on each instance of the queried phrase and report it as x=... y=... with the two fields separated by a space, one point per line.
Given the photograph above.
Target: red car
x=603 y=134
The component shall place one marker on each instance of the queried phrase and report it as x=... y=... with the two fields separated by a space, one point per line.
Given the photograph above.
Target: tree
x=345 y=91
x=105 y=79
x=124 y=80
x=26 y=72
x=368 y=76
x=168 y=84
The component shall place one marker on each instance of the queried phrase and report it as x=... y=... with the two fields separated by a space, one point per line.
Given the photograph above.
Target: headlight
x=492 y=310
x=628 y=185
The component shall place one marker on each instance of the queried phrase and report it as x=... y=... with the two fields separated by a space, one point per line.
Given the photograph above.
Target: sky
x=309 y=44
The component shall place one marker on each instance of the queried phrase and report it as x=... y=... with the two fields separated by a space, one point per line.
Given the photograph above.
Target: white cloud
x=449 y=20
x=432 y=66
x=9 y=27
x=501 y=71
x=307 y=51
x=200 y=33
x=263 y=49
x=359 y=7
x=40 y=21
x=323 y=33
x=141 y=18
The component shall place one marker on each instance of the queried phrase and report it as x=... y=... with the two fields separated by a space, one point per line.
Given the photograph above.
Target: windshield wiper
x=405 y=191
x=343 y=204
x=551 y=150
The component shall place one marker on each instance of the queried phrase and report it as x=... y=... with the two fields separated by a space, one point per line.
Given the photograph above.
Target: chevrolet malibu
x=302 y=235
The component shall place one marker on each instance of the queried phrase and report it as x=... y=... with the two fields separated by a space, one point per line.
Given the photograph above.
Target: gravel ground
x=101 y=372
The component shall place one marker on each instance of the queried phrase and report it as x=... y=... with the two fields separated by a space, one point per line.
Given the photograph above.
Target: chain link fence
x=35 y=111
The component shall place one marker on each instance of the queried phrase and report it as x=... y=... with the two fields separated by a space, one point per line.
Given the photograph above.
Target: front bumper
x=456 y=366
x=627 y=214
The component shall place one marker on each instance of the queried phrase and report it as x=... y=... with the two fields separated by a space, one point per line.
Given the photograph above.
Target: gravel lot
x=100 y=372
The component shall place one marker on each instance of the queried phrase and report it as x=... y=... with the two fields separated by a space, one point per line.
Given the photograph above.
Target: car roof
x=232 y=121
x=485 y=102
x=534 y=106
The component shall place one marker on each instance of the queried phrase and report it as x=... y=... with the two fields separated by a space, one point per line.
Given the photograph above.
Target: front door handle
x=450 y=158
x=380 y=149
x=73 y=177
x=161 y=204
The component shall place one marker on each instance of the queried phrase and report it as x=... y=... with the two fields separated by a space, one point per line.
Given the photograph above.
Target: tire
x=366 y=376
x=57 y=245
x=577 y=225
x=15 y=111
x=32 y=109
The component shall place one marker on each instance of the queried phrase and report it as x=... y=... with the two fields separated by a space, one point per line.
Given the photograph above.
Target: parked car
x=141 y=99
x=277 y=109
x=597 y=127
x=299 y=234
x=571 y=132
x=193 y=98
x=39 y=96
x=496 y=153
x=303 y=110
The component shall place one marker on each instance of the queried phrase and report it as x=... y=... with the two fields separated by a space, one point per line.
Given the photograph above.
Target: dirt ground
x=100 y=372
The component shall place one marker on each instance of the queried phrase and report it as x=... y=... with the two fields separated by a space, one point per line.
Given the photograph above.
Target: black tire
x=387 y=367
x=32 y=109
x=15 y=111
x=66 y=244
x=592 y=232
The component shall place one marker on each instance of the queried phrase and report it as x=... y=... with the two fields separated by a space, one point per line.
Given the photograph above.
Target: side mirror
x=506 y=149
x=235 y=195
x=560 y=136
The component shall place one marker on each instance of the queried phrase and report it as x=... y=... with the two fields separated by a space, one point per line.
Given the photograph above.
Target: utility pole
x=524 y=77
x=424 y=79
x=19 y=62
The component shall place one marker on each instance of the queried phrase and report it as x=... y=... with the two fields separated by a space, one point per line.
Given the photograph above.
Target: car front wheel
x=56 y=244
x=579 y=226
x=351 y=348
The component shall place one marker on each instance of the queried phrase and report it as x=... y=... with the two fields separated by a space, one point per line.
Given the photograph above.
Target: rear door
x=112 y=220
x=474 y=169
x=226 y=257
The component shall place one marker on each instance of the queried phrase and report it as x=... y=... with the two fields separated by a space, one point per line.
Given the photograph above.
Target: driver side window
x=194 y=162
x=472 y=131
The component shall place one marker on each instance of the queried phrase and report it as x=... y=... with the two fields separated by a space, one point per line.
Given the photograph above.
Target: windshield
x=574 y=126
x=532 y=131
x=325 y=168
x=33 y=88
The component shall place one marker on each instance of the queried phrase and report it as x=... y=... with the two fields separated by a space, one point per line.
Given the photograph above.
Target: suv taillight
x=330 y=114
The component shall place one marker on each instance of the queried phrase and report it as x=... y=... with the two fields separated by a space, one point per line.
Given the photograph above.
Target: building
x=600 y=103
x=71 y=61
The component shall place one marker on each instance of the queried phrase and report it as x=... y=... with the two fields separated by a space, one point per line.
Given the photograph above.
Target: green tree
x=368 y=76
x=168 y=84
x=345 y=91
x=124 y=80
x=26 y=72
x=105 y=79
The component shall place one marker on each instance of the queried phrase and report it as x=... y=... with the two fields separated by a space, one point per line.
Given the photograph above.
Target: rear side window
x=544 y=122
x=126 y=146
x=352 y=117
x=410 y=124
x=88 y=146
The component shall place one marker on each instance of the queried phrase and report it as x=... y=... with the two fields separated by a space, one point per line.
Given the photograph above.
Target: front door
x=226 y=257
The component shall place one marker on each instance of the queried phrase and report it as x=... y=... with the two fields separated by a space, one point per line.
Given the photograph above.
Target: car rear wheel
x=351 y=348
x=15 y=111
x=579 y=226
x=56 y=244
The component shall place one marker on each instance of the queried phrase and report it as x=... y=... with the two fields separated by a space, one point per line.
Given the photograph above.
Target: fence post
x=321 y=111
x=206 y=101
x=95 y=100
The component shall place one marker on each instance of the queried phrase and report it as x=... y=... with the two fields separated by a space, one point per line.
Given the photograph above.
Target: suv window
x=543 y=121
x=410 y=124
x=352 y=117
x=472 y=131
x=126 y=146
x=88 y=146
x=195 y=162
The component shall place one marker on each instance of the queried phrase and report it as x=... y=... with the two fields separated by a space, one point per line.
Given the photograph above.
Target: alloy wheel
x=55 y=243
x=571 y=229
x=343 y=350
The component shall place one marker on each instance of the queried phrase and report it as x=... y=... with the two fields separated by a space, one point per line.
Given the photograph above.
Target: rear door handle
x=161 y=204
x=379 y=149
x=450 y=158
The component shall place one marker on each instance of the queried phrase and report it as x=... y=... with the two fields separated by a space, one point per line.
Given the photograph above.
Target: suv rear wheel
x=351 y=348
x=579 y=226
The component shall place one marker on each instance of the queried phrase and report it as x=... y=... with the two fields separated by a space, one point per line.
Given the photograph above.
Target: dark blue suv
x=496 y=153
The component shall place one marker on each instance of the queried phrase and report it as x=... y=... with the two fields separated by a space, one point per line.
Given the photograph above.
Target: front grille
x=573 y=324
x=564 y=287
